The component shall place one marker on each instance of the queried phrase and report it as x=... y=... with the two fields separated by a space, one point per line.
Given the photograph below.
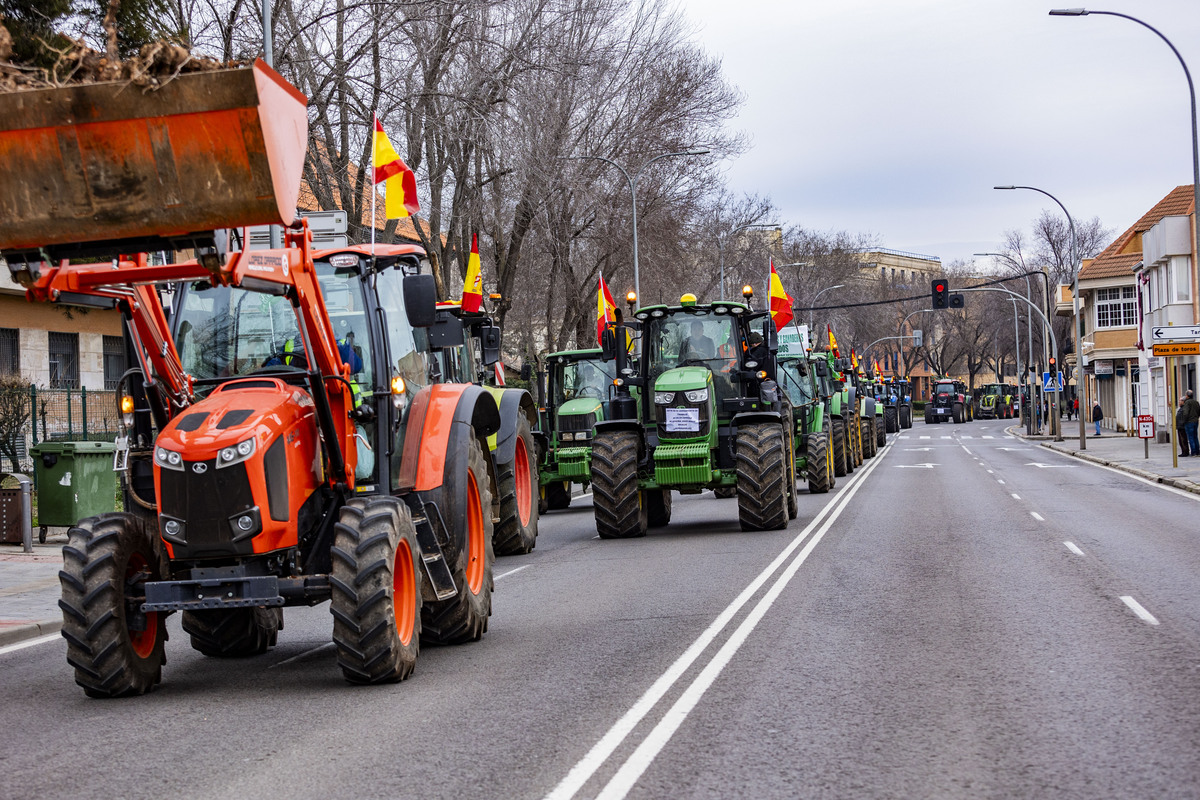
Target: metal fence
x=73 y=415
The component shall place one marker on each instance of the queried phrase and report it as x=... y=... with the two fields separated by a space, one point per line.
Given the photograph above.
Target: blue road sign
x=1050 y=385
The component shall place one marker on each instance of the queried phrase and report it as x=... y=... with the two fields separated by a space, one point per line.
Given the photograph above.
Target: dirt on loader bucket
x=105 y=162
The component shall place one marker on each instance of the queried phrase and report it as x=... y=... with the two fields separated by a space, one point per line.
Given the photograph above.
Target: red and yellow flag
x=853 y=359
x=472 y=293
x=399 y=182
x=779 y=300
x=606 y=309
x=833 y=342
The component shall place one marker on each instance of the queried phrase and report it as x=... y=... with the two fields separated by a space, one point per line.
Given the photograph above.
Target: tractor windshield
x=590 y=378
x=799 y=387
x=693 y=338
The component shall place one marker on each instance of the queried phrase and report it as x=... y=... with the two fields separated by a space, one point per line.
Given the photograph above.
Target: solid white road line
x=1074 y=548
x=12 y=648
x=511 y=571
x=1037 y=516
x=1136 y=608
x=587 y=766
x=644 y=755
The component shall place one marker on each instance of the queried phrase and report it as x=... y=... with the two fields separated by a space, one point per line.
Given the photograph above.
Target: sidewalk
x=1126 y=453
x=29 y=588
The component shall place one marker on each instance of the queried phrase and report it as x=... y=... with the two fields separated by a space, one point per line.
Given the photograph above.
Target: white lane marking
x=926 y=437
x=1074 y=548
x=999 y=481
x=915 y=466
x=1136 y=608
x=947 y=437
x=991 y=472
x=317 y=649
x=1037 y=516
x=12 y=648
x=964 y=447
x=644 y=755
x=597 y=536
x=1163 y=486
x=510 y=572
x=966 y=437
x=989 y=437
x=587 y=766
x=1016 y=497
x=1050 y=466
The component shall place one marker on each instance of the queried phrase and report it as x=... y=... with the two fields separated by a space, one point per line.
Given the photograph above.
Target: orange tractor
x=283 y=442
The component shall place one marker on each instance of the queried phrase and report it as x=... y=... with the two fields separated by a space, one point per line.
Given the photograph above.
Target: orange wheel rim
x=524 y=483
x=475 y=543
x=404 y=593
x=142 y=641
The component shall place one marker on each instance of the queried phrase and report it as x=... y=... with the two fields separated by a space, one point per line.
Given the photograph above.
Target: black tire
x=725 y=492
x=234 y=632
x=867 y=431
x=891 y=419
x=793 y=502
x=956 y=414
x=464 y=617
x=658 y=507
x=376 y=597
x=620 y=512
x=516 y=483
x=761 y=477
x=930 y=419
x=839 y=448
x=906 y=420
x=818 y=463
x=558 y=495
x=116 y=650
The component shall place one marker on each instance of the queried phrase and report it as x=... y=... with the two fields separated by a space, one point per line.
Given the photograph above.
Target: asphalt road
x=965 y=616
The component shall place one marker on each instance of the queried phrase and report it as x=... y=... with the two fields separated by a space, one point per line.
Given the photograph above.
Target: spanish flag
x=606 y=310
x=853 y=360
x=833 y=342
x=780 y=301
x=400 y=184
x=472 y=293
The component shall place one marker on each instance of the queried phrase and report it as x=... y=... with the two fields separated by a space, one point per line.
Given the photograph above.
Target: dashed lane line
x=1037 y=516
x=1136 y=608
x=1016 y=497
x=1074 y=548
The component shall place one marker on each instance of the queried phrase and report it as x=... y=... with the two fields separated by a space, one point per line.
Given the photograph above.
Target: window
x=1116 y=307
x=1181 y=280
x=10 y=358
x=64 y=360
x=114 y=361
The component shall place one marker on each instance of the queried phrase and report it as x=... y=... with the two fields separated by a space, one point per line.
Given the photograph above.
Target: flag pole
x=371 y=180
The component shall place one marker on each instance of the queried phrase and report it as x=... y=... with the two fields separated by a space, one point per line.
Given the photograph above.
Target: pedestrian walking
x=1075 y=407
x=1192 y=415
x=1181 y=413
x=1097 y=415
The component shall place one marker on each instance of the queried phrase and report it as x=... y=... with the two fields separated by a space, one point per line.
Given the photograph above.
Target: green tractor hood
x=683 y=379
x=581 y=405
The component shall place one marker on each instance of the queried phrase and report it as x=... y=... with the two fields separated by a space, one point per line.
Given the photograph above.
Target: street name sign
x=1177 y=349
x=1175 y=333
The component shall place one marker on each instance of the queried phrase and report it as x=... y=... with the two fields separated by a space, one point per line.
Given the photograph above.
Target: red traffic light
x=940 y=287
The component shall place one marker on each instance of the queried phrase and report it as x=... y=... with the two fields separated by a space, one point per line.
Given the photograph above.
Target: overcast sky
x=895 y=118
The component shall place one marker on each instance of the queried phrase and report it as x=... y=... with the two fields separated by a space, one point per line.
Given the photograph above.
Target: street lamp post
x=1075 y=303
x=818 y=297
x=633 y=181
x=732 y=233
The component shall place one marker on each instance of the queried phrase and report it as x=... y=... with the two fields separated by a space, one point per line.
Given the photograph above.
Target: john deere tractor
x=709 y=415
x=800 y=382
x=578 y=391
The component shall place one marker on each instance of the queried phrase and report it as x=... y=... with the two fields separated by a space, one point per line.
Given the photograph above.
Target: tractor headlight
x=168 y=459
x=696 y=395
x=568 y=437
x=235 y=454
x=664 y=398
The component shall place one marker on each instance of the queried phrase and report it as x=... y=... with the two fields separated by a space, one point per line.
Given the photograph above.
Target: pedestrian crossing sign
x=1050 y=385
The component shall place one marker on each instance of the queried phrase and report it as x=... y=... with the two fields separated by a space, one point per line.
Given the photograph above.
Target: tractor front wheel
x=115 y=647
x=761 y=477
x=839 y=448
x=618 y=504
x=658 y=507
x=233 y=632
x=819 y=472
x=376 y=583
x=558 y=495
x=891 y=420
x=516 y=482
x=867 y=431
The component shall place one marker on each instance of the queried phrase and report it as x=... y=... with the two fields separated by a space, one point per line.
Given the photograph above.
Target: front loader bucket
x=110 y=167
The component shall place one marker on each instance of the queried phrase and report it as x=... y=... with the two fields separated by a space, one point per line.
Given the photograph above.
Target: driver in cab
x=697 y=346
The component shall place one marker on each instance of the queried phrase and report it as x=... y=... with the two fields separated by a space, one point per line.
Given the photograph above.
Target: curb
x=29 y=630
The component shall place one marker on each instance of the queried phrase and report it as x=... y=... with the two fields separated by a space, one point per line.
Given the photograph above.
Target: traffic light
x=941 y=294
x=1053 y=361
x=957 y=300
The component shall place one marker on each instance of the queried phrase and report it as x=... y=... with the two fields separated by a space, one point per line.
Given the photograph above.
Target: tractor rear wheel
x=891 y=420
x=880 y=434
x=906 y=417
x=115 y=648
x=658 y=507
x=761 y=477
x=618 y=504
x=464 y=617
x=558 y=495
x=819 y=472
x=839 y=448
x=233 y=632
x=376 y=582
x=516 y=483
x=956 y=413
x=793 y=502
x=867 y=431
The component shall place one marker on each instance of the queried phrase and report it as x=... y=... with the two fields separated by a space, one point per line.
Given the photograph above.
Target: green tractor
x=467 y=350
x=708 y=414
x=578 y=389
x=799 y=379
x=845 y=436
x=996 y=401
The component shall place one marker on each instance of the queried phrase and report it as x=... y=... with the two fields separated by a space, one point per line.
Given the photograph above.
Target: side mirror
x=608 y=345
x=822 y=369
x=489 y=343
x=420 y=300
